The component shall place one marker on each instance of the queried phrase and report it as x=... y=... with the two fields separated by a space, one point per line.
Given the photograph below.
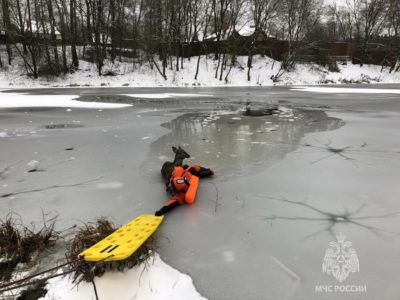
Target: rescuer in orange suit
x=179 y=184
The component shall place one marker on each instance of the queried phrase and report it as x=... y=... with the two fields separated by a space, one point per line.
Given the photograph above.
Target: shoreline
x=143 y=76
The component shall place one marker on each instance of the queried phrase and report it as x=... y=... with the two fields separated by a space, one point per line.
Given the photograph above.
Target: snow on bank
x=15 y=100
x=158 y=281
x=128 y=74
x=336 y=90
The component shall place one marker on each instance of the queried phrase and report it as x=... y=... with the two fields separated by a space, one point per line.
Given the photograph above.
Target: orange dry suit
x=183 y=185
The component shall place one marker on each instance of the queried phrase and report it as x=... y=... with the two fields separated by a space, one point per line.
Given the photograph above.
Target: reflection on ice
x=352 y=183
x=237 y=145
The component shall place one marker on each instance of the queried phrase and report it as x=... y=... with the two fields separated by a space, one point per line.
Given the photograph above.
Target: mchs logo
x=339 y=261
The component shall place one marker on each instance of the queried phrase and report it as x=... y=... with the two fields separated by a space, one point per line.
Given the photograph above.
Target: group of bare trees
x=39 y=31
x=51 y=36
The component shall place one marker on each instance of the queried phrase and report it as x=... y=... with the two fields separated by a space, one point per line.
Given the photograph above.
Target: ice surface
x=282 y=190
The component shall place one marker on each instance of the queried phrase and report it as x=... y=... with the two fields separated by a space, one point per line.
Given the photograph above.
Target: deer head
x=180 y=155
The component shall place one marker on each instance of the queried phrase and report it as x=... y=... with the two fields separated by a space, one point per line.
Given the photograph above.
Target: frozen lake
x=327 y=162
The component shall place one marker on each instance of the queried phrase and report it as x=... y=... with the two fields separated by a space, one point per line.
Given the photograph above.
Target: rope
x=34 y=275
x=11 y=285
x=36 y=281
x=95 y=290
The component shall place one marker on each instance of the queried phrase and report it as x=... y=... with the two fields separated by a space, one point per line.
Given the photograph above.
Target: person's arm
x=200 y=172
x=175 y=201
x=166 y=208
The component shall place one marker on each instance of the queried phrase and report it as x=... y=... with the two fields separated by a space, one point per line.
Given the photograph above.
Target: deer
x=168 y=166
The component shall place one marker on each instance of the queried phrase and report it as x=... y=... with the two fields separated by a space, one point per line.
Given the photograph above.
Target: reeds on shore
x=20 y=244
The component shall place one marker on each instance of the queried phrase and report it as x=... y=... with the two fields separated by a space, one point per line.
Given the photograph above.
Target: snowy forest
x=50 y=37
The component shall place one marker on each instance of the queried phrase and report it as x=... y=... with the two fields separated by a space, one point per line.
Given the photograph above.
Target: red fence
x=277 y=49
x=274 y=48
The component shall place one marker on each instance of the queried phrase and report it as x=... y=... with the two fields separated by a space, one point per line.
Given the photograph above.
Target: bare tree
x=169 y=27
x=97 y=25
x=368 y=17
x=32 y=44
x=221 y=23
x=7 y=27
x=235 y=13
x=342 y=23
x=52 y=23
x=73 y=34
x=61 y=8
x=296 y=14
x=202 y=26
x=394 y=25
x=263 y=12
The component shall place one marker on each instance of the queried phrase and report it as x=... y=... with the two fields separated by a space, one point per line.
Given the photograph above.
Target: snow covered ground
x=144 y=76
x=12 y=100
x=346 y=90
x=156 y=281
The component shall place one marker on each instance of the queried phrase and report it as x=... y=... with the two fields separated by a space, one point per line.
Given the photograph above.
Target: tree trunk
x=89 y=36
x=44 y=31
x=249 y=66
x=158 y=69
x=113 y=38
x=73 y=33
x=63 y=44
x=22 y=26
x=98 y=28
x=223 y=65
x=32 y=44
x=7 y=28
x=53 y=33
x=197 y=67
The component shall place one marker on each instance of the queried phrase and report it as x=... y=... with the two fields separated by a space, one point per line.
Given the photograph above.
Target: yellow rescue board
x=123 y=242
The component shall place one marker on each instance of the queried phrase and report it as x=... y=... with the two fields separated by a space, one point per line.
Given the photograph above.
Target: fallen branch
x=216 y=197
x=158 y=68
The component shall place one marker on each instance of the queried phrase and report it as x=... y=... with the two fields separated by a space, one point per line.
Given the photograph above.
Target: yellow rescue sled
x=123 y=242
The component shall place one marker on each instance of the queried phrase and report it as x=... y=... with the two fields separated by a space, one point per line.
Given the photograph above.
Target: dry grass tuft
x=10 y=236
x=88 y=235
x=19 y=244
